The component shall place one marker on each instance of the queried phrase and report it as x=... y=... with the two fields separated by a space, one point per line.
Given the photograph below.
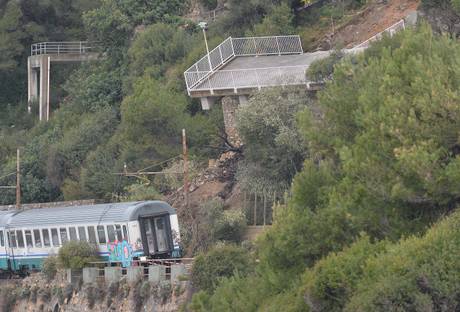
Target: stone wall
x=229 y=108
x=51 y=205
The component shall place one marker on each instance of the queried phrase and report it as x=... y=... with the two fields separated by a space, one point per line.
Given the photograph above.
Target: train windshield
x=155 y=235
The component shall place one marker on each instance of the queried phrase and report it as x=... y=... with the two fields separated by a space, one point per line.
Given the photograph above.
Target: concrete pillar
x=229 y=108
x=112 y=274
x=90 y=275
x=32 y=84
x=207 y=102
x=177 y=270
x=157 y=273
x=243 y=99
x=44 y=109
x=134 y=273
x=73 y=276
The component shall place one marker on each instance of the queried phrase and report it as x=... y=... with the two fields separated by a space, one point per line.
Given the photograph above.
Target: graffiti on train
x=120 y=251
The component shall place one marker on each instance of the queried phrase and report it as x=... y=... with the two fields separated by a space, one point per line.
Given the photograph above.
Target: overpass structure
x=240 y=66
x=39 y=64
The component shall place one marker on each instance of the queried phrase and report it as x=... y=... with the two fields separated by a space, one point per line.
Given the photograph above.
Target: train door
x=155 y=235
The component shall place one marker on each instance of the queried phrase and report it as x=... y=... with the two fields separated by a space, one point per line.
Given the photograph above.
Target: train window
x=12 y=239
x=111 y=233
x=92 y=235
x=101 y=234
x=28 y=235
x=2 y=239
x=20 y=238
x=55 y=237
x=125 y=233
x=82 y=233
x=46 y=237
x=119 y=235
x=73 y=234
x=37 y=239
x=63 y=233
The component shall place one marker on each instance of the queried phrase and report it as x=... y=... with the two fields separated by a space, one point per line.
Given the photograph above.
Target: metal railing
x=254 y=78
x=233 y=47
x=76 y=47
x=390 y=30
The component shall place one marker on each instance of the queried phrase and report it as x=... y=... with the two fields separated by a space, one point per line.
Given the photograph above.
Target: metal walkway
x=39 y=63
x=238 y=66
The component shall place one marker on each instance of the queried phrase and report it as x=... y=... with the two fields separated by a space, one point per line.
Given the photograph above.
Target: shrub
x=49 y=267
x=221 y=261
x=212 y=224
x=322 y=69
x=329 y=284
x=76 y=254
x=209 y=4
x=416 y=274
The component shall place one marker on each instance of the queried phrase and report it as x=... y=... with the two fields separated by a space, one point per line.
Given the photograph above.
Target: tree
x=273 y=147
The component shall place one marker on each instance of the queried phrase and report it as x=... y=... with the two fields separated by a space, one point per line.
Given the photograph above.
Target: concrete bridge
x=39 y=64
x=239 y=66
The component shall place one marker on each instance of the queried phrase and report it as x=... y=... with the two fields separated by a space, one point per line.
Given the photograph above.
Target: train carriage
x=122 y=232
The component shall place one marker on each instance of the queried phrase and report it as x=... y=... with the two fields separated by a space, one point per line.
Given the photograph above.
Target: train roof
x=100 y=213
x=4 y=214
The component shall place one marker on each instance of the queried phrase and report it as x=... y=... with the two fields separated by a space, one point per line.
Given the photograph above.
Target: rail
x=75 y=47
x=390 y=30
x=254 y=78
x=233 y=47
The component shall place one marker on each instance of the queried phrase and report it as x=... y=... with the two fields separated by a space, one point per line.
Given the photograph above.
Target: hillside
x=359 y=180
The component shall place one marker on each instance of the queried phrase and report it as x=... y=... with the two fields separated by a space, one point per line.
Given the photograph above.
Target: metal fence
x=254 y=78
x=77 y=47
x=233 y=47
x=390 y=31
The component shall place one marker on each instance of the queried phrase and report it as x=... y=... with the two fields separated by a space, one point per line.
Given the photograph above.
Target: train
x=121 y=232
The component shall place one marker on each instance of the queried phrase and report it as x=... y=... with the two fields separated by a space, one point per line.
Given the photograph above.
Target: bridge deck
x=267 y=61
x=243 y=74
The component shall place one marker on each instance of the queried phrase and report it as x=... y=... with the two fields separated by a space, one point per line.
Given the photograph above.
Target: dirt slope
x=375 y=18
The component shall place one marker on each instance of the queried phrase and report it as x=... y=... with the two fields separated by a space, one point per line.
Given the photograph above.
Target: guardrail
x=233 y=47
x=390 y=30
x=75 y=47
x=254 y=78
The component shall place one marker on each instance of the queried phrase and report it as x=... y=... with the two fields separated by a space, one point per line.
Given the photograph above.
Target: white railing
x=233 y=47
x=76 y=47
x=390 y=30
x=254 y=78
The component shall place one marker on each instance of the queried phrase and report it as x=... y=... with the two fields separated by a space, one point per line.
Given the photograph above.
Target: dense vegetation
x=382 y=160
x=368 y=165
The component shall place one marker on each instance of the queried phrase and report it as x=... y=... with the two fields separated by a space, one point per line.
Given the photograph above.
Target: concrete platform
x=245 y=74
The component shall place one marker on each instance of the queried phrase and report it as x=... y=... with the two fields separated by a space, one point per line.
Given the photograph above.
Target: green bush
x=221 y=261
x=330 y=283
x=322 y=69
x=209 y=4
x=212 y=224
x=416 y=274
x=50 y=267
x=77 y=254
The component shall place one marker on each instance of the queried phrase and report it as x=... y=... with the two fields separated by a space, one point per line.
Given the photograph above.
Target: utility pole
x=185 y=156
x=18 y=180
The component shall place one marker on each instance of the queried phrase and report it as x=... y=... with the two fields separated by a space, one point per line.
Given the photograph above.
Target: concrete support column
x=157 y=273
x=44 y=109
x=177 y=271
x=32 y=84
x=112 y=274
x=90 y=275
x=229 y=108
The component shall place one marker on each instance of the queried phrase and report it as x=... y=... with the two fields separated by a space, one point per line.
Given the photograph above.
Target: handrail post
x=255 y=46
x=278 y=45
x=257 y=79
x=233 y=48
x=220 y=52
x=233 y=81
